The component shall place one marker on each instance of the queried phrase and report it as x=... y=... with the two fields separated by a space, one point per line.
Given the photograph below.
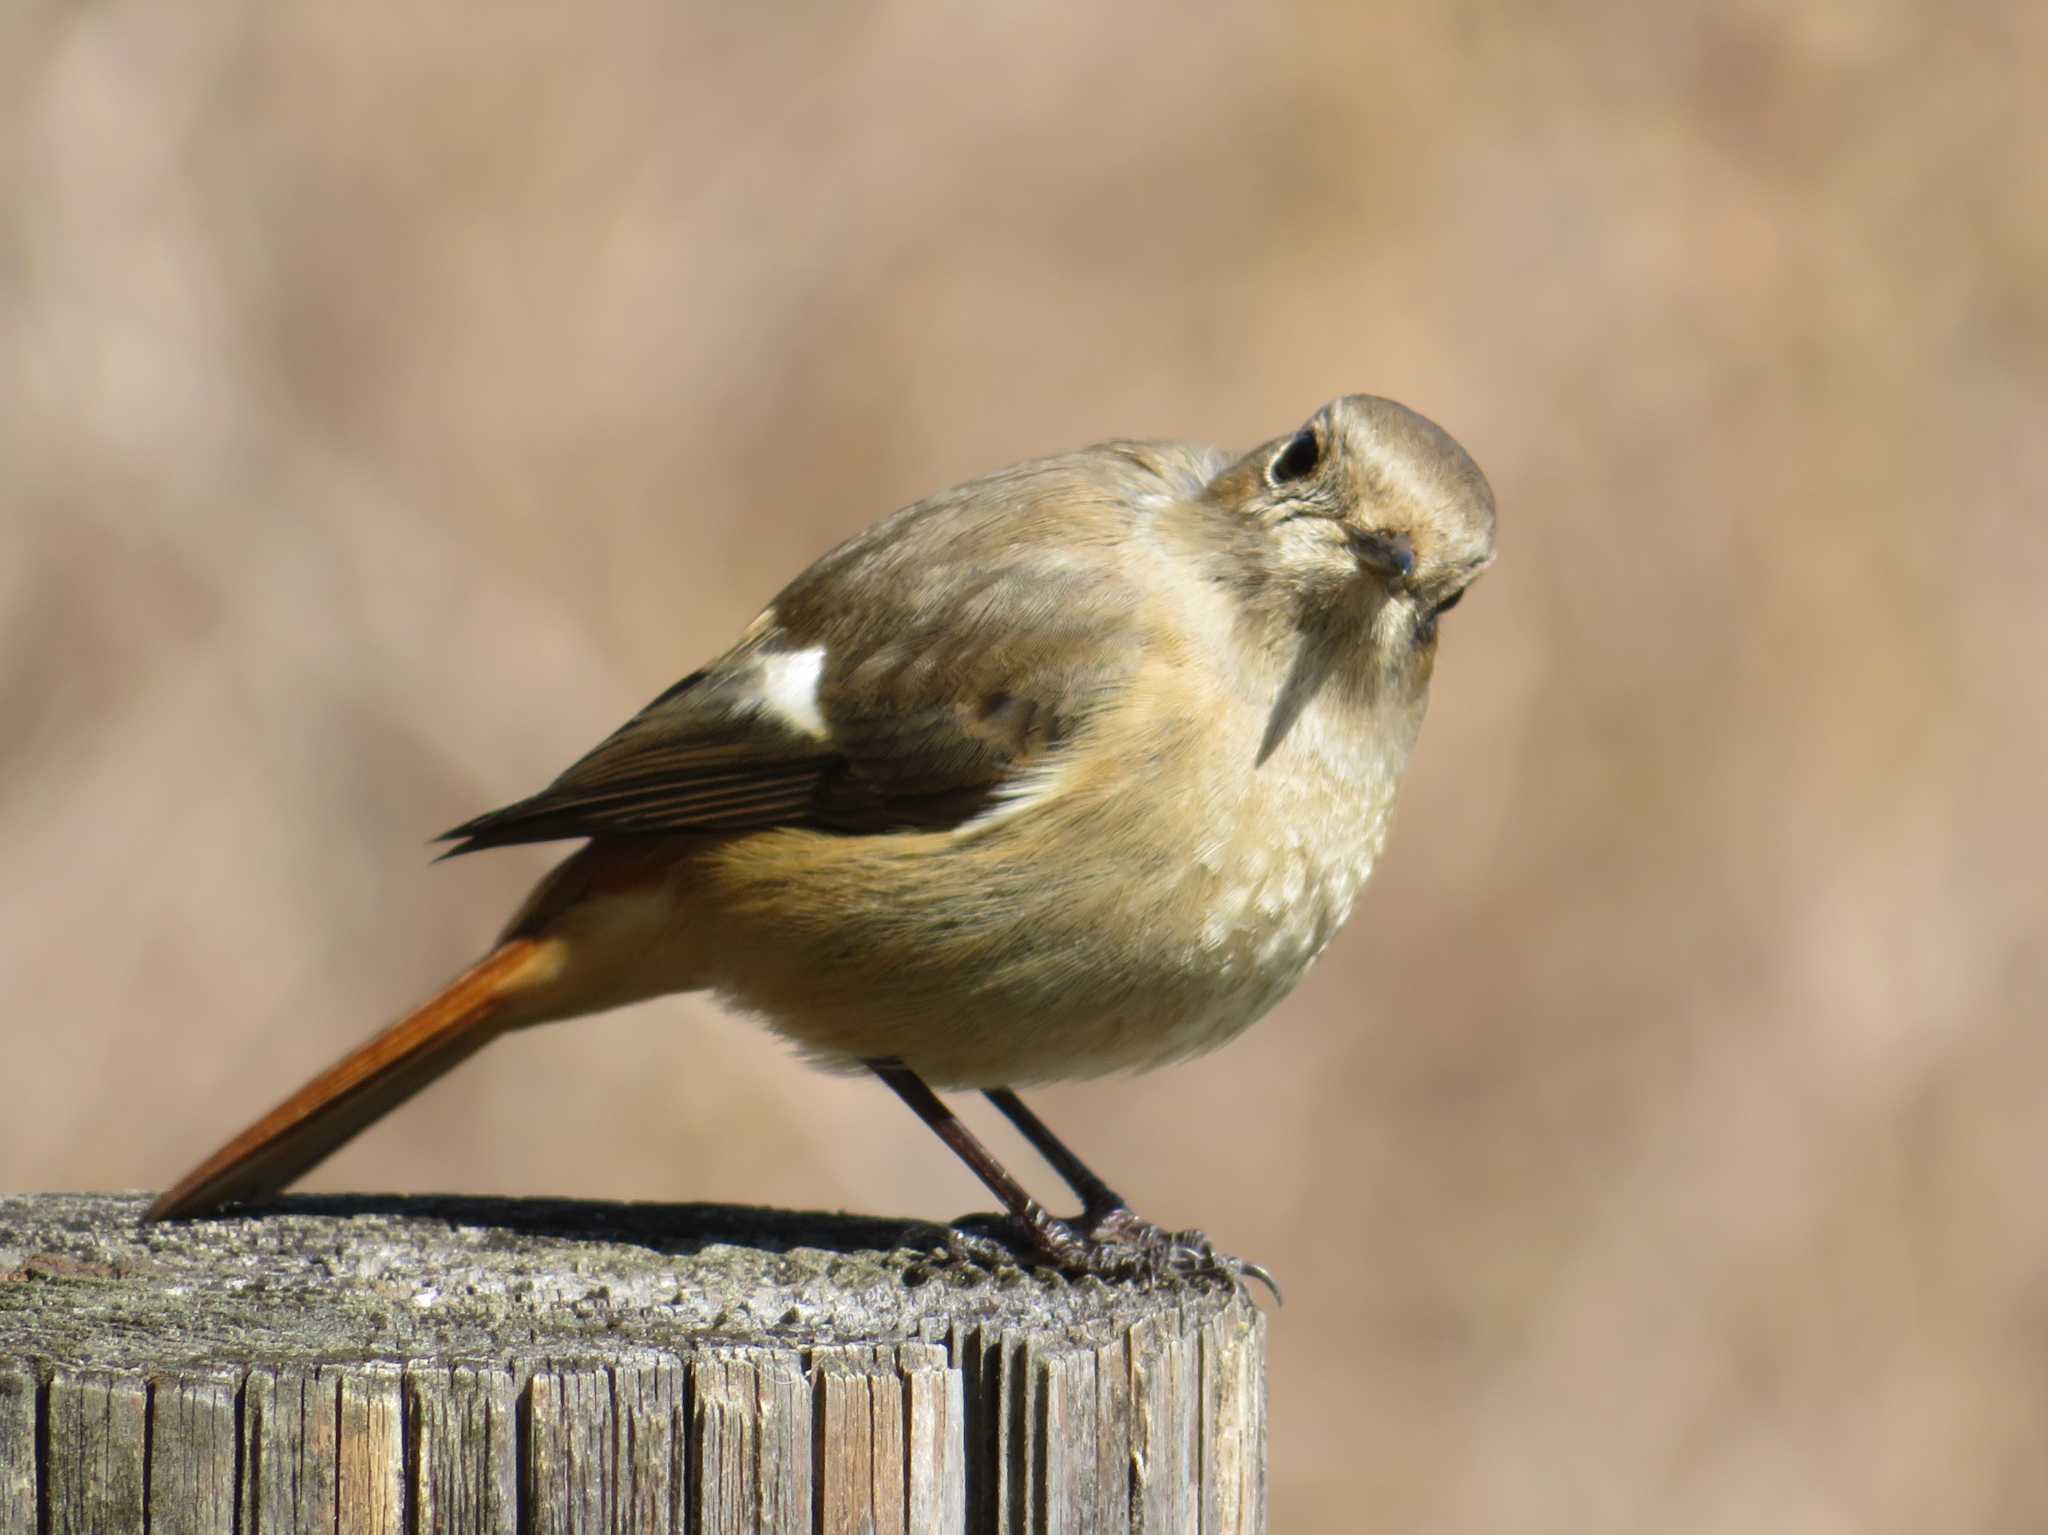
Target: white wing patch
x=789 y=689
x=1014 y=798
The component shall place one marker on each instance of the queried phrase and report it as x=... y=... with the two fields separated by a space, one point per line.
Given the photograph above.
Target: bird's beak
x=1390 y=555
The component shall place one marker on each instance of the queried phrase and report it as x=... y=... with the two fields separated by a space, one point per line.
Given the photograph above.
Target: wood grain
x=465 y=1448
x=18 y=1473
x=194 y=1443
x=495 y=1367
x=93 y=1477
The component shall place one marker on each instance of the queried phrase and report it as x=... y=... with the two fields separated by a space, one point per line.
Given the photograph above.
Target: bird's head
x=1368 y=504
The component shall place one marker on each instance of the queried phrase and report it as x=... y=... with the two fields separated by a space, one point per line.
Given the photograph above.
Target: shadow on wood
x=399 y=1365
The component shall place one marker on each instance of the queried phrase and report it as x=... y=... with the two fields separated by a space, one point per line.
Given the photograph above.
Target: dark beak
x=1389 y=554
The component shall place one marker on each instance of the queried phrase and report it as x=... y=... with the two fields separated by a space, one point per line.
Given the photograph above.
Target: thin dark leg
x=1097 y=1198
x=1106 y=1216
x=1054 y=1237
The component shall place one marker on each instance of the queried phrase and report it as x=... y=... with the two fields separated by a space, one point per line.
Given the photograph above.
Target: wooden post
x=415 y=1366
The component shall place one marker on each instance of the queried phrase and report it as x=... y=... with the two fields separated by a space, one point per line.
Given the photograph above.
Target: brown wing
x=696 y=759
x=898 y=684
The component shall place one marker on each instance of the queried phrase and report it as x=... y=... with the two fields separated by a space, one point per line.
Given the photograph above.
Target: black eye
x=1298 y=458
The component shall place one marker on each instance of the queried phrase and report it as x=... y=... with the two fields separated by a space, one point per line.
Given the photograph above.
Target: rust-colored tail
x=365 y=1084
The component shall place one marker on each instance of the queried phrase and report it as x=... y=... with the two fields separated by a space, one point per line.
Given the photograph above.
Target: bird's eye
x=1295 y=460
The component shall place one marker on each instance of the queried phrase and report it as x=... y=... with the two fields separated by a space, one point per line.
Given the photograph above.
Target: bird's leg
x=1099 y=1202
x=1117 y=1241
x=1105 y=1214
x=1052 y=1236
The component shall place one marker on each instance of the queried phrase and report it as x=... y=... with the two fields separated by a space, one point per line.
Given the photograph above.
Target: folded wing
x=900 y=684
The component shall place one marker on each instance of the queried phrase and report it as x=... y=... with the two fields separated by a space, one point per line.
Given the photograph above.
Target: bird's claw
x=1116 y=1245
x=1123 y=1243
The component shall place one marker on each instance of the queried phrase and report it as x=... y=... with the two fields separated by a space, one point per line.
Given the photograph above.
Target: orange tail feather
x=364 y=1085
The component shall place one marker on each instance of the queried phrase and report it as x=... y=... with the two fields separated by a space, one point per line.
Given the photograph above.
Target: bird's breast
x=1217 y=875
x=1291 y=847
x=1144 y=898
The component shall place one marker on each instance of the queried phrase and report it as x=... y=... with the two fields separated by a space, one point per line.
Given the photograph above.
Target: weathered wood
x=1233 y=1425
x=193 y=1443
x=98 y=1427
x=934 y=1444
x=1067 y=1467
x=1113 y=1435
x=18 y=1478
x=391 y=1366
x=1164 y=1422
x=751 y=1456
x=861 y=1482
x=465 y=1448
x=606 y=1446
x=291 y=1481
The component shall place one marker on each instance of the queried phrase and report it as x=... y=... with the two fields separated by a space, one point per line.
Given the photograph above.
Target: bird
x=1073 y=769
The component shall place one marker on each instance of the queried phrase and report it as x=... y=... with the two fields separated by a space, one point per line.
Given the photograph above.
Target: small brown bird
x=1072 y=769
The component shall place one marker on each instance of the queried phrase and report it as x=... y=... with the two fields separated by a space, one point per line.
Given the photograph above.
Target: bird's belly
x=1099 y=934
x=1256 y=907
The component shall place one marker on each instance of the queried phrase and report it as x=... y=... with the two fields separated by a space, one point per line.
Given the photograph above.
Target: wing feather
x=960 y=642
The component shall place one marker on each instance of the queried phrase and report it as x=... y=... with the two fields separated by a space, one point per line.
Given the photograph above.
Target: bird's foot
x=1115 y=1245
x=1121 y=1243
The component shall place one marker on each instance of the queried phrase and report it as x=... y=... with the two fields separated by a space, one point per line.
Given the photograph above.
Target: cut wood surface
x=420 y=1365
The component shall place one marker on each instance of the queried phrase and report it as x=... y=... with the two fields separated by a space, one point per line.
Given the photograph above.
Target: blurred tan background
x=391 y=402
